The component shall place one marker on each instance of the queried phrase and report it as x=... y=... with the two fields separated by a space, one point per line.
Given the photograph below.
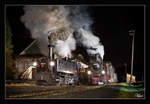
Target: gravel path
x=33 y=91
x=55 y=92
x=92 y=93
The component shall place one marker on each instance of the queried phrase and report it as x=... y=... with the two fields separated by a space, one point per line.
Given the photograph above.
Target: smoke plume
x=56 y=25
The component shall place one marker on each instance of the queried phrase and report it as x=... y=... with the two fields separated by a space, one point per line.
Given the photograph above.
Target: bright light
x=89 y=72
x=67 y=71
x=52 y=63
x=103 y=72
x=34 y=63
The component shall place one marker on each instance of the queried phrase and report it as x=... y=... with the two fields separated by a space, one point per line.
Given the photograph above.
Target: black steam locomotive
x=66 y=71
x=61 y=71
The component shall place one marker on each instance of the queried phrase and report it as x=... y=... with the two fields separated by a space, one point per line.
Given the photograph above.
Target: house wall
x=22 y=63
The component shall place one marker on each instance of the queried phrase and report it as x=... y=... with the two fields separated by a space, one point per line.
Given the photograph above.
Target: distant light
x=131 y=32
x=103 y=72
x=52 y=63
x=89 y=72
x=67 y=72
x=107 y=64
x=34 y=63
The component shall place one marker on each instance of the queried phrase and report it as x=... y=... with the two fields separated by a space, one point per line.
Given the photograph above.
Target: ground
x=115 y=90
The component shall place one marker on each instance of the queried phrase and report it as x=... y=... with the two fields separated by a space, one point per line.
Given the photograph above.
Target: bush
x=10 y=73
x=10 y=70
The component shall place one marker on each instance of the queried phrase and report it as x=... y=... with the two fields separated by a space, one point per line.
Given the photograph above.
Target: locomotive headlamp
x=52 y=63
x=103 y=72
x=89 y=72
x=34 y=63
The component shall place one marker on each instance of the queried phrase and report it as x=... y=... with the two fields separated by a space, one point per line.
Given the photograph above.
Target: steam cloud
x=59 y=23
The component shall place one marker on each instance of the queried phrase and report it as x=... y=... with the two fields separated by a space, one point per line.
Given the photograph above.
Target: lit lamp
x=52 y=63
x=34 y=63
x=89 y=72
x=89 y=75
x=103 y=72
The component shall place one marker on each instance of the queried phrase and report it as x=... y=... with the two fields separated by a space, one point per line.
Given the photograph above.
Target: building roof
x=32 y=49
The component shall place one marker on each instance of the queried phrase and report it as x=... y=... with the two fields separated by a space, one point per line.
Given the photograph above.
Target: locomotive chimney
x=50 y=46
x=97 y=56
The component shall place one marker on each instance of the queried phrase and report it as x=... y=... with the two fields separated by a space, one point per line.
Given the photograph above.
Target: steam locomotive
x=66 y=71
x=63 y=71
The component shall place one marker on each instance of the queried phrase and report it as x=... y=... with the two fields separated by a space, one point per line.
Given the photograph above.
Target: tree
x=10 y=70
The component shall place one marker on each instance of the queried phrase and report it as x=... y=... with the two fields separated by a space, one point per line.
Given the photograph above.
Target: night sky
x=111 y=24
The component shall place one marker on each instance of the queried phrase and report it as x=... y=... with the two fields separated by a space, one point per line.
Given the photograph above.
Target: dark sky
x=111 y=24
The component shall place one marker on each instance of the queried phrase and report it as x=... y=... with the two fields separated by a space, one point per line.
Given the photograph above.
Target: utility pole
x=132 y=33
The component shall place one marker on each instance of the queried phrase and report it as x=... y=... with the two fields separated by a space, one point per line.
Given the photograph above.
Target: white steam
x=99 y=49
x=42 y=20
x=88 y=39
x=64 y=48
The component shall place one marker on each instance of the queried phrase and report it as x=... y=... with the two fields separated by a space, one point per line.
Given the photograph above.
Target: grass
x=123 y=94
x=125 y=87
x=135 y=88
x=126 y=91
